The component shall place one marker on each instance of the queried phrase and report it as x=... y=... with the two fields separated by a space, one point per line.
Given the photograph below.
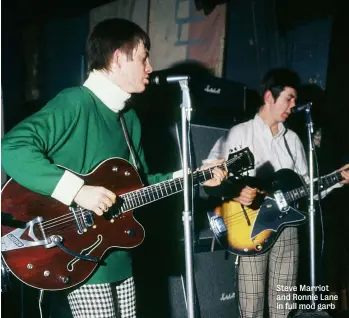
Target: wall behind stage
x=134 y=10
x=256 y=43
x=179 y=32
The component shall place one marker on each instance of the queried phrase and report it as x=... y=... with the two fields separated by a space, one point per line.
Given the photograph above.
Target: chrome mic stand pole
x=187 y=217
x=311 y=208
x=311 y=212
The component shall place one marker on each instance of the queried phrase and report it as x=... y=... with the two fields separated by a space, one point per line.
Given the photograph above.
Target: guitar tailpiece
x=57 y=240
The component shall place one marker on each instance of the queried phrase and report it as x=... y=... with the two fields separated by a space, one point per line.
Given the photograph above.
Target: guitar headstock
x=240 y=161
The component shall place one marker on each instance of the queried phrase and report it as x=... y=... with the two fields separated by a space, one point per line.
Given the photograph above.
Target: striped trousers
x=279 y=265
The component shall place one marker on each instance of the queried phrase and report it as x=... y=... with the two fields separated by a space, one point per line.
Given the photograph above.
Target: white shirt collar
x=263 y=126
x=109 y=93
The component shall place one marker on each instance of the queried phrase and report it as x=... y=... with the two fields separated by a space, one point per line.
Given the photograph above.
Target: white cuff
x=67 y=188
x=178 y=174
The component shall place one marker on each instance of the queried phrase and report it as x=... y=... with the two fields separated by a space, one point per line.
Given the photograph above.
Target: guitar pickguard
x=270 y=218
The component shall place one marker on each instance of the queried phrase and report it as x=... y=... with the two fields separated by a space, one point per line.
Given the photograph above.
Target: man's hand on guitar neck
x=218 y=174
x=96 y=199
x=345 y=173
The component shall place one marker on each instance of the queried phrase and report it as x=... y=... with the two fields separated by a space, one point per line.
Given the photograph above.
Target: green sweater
x=77 y=131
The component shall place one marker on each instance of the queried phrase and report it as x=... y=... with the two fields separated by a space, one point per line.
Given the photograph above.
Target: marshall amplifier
x=215 y=287
x=217 y=102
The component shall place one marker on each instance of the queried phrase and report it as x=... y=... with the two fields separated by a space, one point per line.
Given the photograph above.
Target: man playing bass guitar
x=274 y=147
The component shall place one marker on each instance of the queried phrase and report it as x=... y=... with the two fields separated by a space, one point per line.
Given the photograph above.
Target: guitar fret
x=155 y=191
x=172 y=184
x=162 y=194
x=152 y=193
x=142 y=197
x=288 y=196
x=126 y=202
x=137 y=198
x=293 y=194
x=175 y=183
x=131 y=199
x=166 y=189
x=146 y=195
x=204 y=175
x=303 y=191
x=296 y=194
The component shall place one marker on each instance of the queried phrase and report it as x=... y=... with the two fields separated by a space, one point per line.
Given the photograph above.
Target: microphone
x=299 y=108
x=158 y=80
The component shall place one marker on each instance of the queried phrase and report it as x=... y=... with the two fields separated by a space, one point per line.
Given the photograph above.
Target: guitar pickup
x=281 y=201
x=83 y=219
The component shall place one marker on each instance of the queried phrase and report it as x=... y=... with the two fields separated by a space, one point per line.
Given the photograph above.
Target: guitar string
x=144 y=194
x=238 y=217
x=293 y=195
x=150 y=190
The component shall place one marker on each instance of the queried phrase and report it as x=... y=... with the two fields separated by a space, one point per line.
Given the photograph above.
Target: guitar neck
x=324 y=182
x=152 y=193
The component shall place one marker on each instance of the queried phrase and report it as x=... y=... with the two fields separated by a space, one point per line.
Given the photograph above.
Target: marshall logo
x=212 y=90
x=227 y=296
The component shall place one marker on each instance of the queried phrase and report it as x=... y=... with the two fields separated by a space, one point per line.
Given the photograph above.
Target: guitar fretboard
x=325 y=183
x=160 y=190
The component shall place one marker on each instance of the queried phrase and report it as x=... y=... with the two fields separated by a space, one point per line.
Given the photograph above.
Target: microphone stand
x=311 y=209
x=311 y=213
x=187 y=217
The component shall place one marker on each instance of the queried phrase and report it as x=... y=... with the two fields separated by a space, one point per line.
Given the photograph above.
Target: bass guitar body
x=248 y=231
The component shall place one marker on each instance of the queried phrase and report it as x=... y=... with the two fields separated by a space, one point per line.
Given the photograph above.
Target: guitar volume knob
x=131 y=233
x=259 y=247
x=64 y=279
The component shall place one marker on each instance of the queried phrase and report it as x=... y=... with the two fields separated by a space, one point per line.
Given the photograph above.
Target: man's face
x=135 y=72
x=281 y=107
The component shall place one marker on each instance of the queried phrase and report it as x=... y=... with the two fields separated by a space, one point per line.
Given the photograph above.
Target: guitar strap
x=290 y=153
x=124 y=128
x=288 y=148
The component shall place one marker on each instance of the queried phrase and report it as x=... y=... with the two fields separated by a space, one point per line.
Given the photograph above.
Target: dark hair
x=276 y=80
x=110 y=35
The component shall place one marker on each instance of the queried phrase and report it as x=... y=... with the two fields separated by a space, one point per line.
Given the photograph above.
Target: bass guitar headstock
x=240 y=161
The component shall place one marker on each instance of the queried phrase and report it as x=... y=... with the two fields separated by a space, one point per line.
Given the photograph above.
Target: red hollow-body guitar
x=50 y=246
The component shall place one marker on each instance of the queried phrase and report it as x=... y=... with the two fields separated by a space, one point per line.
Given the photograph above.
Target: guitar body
x=251 y=231
x=50 y=246
x=51 y=268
